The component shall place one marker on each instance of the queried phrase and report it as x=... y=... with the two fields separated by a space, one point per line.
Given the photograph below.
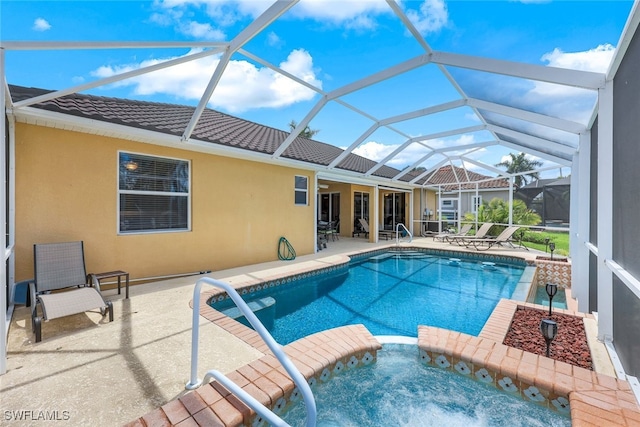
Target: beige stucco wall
x=66 y=189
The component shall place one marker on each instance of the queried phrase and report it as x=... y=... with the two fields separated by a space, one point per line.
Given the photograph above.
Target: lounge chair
x=444 y=237
x=59 y=267
x=381 y=233
x=503 y=238
x=359 y=229
x=466 y=240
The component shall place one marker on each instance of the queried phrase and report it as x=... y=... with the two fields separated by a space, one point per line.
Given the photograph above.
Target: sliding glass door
x=393 y=210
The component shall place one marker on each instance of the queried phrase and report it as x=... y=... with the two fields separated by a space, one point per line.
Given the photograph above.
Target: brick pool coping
x=317 y=357
x=594 y=399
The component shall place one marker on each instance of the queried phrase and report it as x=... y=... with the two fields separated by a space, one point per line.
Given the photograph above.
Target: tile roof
x=446 y=175
x=213 y=127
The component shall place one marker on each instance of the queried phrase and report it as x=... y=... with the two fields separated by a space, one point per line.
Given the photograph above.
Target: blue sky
x=328 y=44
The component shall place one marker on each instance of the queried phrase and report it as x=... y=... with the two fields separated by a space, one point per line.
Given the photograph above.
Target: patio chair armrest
x=31 y=296
x=93 y=281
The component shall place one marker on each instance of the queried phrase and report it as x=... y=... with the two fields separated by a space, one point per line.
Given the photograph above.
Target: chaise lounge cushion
x=76 y=301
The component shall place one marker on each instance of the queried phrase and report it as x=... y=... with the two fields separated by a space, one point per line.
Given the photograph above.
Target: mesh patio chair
x=467 y=240
x=503 y=239
x=444 y=237
x=60 y=285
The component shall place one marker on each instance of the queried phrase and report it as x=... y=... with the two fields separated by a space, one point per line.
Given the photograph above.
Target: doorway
x=329 y=207
x=393 y=210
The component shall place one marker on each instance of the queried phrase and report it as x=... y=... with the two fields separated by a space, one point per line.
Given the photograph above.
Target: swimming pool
x=399 y=390
x=391 y=293
x=540 y=297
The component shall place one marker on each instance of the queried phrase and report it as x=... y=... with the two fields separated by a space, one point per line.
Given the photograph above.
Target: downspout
x=510 y=200
x=477 y=205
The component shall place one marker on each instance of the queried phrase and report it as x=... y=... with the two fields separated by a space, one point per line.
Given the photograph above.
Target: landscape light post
x=551 y=289
x=549 y=329
x=552 y=247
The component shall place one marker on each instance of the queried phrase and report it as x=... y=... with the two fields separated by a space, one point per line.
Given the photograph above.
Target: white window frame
x=304 y=191
x=120 y=192
x=476 y=202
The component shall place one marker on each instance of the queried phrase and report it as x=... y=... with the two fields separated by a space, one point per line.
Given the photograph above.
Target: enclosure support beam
x=3 y=195
x=580 y=217
x=605 y=212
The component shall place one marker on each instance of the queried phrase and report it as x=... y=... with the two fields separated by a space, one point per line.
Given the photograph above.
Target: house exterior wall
x=466 y=198
x=66 y=189
x=346 y=205
x=423 y=198
x=358 y=188
x=487 y=195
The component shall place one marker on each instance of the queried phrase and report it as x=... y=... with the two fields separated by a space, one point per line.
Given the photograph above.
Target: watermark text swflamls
x=36 y=415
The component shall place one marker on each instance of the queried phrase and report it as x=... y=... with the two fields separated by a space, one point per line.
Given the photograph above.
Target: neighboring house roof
x=541 y=183
x=467 y=178
x=213 y=127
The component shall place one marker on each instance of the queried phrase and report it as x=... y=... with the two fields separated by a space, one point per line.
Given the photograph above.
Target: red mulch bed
x=570 y=345
x=556 y=258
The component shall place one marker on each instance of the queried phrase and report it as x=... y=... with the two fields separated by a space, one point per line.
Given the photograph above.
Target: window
x=154 y=193
x=476 y=203
x=301 y=190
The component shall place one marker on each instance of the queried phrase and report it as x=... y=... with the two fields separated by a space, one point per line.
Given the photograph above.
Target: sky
x=329 y=44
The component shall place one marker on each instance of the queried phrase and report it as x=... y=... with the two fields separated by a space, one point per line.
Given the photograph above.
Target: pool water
x=391 y=294
x=399 y=390
x=559 y=299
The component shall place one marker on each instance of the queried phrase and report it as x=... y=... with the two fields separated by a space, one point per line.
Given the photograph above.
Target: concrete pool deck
x=87 y=371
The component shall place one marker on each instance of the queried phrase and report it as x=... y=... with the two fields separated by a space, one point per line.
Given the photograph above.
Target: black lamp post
x=552 y=247
x=546 y=244
x=551 y=289
x=549 y=329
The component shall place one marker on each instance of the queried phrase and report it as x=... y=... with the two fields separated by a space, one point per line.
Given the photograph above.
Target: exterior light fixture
x=551 y=289
x=546 y=244
x=131 y=165
x=549 y=330
x=552 y=247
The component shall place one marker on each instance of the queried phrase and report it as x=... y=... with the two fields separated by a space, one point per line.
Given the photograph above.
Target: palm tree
x=306 y=132
x=519 y=163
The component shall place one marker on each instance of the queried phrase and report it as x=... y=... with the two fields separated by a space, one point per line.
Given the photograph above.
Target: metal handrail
x=294 y=373
x=398 y=233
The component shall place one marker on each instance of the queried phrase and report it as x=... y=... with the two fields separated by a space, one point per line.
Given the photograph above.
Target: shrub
x=497 y=211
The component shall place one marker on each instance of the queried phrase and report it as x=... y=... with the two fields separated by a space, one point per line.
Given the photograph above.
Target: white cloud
x=243 y=86
x=41 y=24
x=430 y=18
x=359 y=14
x=567 y=101
x=377 y=151
x=596 y=60
x=201 y=31
x=350 y=14
x=273 y=40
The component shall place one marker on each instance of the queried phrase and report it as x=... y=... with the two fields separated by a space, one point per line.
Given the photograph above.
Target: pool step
x=399 y=254
x=263 y=308
x=411 y=254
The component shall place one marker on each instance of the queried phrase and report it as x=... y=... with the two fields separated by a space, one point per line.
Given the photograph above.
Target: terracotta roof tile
x=446 y=175
x=213 y=127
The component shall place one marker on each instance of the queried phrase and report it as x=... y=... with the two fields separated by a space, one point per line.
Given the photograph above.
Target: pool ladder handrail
x=298 y=379
x=398 y=233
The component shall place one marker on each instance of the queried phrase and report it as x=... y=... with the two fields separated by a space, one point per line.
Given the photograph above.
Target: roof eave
x=40 y=117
